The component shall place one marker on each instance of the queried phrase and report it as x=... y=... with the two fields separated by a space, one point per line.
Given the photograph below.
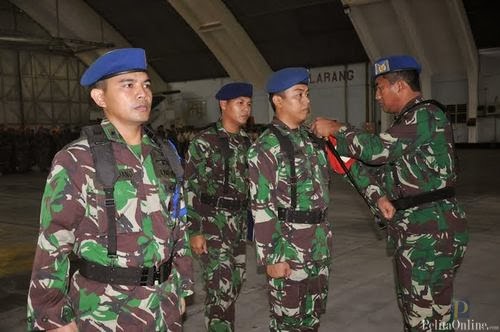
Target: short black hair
x=271 y=102
x=101 y=84
x=409 y=76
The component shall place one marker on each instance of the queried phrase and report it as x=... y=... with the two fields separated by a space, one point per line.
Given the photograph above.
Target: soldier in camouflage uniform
x=44 y=149
x=289 y=201
x=124 y=240
x=217 y=201
x=412 y=178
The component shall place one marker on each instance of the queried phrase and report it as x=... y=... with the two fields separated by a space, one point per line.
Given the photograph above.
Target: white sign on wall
x=339 y=92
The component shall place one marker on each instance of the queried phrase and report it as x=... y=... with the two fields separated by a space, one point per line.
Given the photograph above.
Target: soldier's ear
x=396 y=87
x=400 y=85
x=222 y=105
x=98 y=97
x=277 y=100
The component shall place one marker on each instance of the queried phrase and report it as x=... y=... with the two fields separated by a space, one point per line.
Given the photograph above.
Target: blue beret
x=287 y=77
x=234 y=90
x=115 y=62
x=395 y=63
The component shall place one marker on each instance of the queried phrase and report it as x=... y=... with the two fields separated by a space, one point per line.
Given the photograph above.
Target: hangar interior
x=194 y=47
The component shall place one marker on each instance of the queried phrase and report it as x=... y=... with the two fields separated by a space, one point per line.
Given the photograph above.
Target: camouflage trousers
x=296 y=303
x=224 y=270
x=103 y=307
x=425 y=268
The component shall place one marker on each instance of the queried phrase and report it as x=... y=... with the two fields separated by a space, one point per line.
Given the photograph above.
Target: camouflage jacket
x=415 y=155
x=73 y=219
x=204 y=174
x=269 y=170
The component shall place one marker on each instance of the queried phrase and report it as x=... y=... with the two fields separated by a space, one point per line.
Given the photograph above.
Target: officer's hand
x=279 y=270
x=198 y=244
x=322 y=127
x=385 y=206
x=71 y=327
x=182 y=305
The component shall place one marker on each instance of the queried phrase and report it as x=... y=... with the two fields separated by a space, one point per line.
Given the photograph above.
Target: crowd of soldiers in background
x=23 y=149
x=26 y=149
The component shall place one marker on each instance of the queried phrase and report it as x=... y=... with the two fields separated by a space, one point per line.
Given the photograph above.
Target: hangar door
x=38 y=88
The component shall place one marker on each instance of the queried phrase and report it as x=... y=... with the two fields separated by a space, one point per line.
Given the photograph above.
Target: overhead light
x=21 y=40
x=210 y=26
x=494 y=51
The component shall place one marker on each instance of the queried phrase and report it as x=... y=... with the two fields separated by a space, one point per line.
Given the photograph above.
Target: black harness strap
x=223 y=202
x=160 y=165
x=311 y=217
x=226 y=154
x=397 y=182
x=107 y=174
x=133 y=276
x=287 y=147
x=426 y=197
x=436 y=103
x=168 y=151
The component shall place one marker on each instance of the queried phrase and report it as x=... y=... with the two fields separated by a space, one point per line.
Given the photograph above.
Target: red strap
x=334 y=163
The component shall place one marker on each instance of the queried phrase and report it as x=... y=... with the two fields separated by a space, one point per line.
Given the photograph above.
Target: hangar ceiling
x=309 y=33
x=286 y=32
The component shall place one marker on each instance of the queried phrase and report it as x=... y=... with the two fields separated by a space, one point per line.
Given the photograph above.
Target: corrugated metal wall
x=37 y=86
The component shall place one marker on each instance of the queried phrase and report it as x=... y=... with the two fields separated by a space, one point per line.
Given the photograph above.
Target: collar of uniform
x=407 y=108
x=410 y=104
x=220 y=128
x=243 y=133
x=284 y=128
x=221 y=131
x=114 y=135
x=218 y=125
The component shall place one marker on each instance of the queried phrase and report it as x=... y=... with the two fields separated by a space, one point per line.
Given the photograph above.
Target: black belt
x=316 y=216
x=224 y=202
x=427 y=197
x=133 y=276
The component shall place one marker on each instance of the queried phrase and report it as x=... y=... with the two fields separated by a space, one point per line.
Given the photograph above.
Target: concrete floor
x=361 y=295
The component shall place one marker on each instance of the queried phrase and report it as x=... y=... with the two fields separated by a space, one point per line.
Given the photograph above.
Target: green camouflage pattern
x=297 y=302
x=73 y=219
x=426 y=265
x=224 y=267
x=305 y=247
x=415 y=155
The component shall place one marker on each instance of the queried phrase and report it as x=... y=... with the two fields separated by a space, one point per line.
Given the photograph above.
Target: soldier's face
x=236 y=110
x=295 y=103
x=386 y=94
x=126 y=98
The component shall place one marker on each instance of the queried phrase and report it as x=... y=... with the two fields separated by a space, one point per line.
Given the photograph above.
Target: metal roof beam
x=362 y=28
x=469 y=53
x=226 y=38
x=414 y=41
